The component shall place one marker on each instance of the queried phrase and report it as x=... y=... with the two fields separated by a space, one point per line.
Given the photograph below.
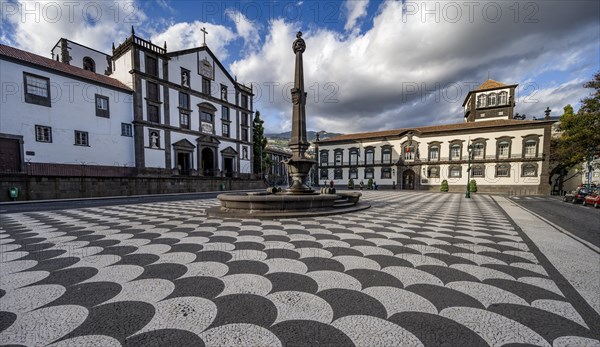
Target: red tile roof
x=491 y=84
x=432 y=129
x=38 y=60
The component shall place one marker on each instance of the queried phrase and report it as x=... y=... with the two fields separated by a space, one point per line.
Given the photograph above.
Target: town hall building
x=141 y=107
x=507 y=155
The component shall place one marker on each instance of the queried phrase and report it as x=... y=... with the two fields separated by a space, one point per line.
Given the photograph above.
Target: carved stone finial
x=132 y=31
x=113 y=46
x=165 y=45
x=299 y=46
x=547 y=112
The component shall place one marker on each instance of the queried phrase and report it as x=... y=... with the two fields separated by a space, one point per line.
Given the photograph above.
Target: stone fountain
x=298 y=200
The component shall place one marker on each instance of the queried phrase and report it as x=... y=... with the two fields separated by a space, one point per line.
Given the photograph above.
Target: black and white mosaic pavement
x=414 y=270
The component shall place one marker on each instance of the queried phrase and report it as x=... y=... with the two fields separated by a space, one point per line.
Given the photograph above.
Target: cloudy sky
x=369 y=65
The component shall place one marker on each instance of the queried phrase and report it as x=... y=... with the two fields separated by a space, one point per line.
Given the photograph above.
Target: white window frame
x=82 y=138
x=43 y=133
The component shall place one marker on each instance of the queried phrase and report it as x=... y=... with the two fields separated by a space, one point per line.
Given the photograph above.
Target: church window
x=184 y=120
x=89 y=64
x=225 y=130
x=126 y=130
x=153 y=115
x=245 y=119
x=481 y=101
x=102 y=106
x=43 y=133
x=245 y=135
x=386 y=173
x=369 y=173
x=225 y=113
x=151 y=66
x=205 y=86
x=152 y=91
x=206 y=117
x=184 y=100
x=245 y=101
x=353 y=173
x=37 y=89
x=81 y=138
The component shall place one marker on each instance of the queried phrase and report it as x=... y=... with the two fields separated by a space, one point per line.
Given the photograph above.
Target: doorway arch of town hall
x=408 y=179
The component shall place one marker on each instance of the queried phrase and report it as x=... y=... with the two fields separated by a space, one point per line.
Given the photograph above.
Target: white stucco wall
x=77 y=52
x=72 y=108
x=122 y=66
x=422 y=144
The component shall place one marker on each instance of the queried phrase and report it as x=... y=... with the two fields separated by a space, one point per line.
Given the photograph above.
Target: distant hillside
x=310 y=134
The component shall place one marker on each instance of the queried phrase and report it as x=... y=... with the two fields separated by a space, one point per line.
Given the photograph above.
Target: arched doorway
x=408 y=179
x=208 y=162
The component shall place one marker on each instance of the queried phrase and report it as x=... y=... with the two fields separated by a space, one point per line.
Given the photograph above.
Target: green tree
x=444 y=187
x=259 y=145
x=473 y=186
x=579 y=133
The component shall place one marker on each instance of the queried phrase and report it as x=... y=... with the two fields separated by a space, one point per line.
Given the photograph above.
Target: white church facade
x=507 y=155
x=141 y=107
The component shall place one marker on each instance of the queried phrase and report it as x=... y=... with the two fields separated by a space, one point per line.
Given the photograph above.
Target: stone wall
x=483 y=189
x=498 y=190
x=55 y=187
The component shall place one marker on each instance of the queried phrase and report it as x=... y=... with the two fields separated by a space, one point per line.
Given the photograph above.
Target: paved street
x=582 y=221
x=416 y=269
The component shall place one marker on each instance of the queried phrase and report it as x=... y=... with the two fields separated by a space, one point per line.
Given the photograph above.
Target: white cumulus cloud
x=354 y=9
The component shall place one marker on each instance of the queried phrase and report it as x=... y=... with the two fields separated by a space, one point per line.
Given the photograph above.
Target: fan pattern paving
x=414 y=270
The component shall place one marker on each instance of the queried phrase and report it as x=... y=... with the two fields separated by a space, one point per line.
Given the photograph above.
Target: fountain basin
x=283 y=205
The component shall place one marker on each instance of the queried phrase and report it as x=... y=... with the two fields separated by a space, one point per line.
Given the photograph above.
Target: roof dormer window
x=481 y=101
x=492 y=98
x=89 y=64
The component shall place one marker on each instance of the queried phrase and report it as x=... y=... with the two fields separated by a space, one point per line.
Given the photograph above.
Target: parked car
x=592 y=199
x=576 y=196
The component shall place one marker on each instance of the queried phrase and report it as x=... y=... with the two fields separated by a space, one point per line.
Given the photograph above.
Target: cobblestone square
x=416 y=269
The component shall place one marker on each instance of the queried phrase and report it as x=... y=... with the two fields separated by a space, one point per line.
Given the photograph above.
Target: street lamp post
x=470 y=151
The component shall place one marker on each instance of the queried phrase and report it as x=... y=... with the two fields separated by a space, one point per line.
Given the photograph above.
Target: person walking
x=361 y=185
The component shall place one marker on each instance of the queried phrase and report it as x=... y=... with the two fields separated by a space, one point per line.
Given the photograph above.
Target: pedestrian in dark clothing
x=331 y=184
